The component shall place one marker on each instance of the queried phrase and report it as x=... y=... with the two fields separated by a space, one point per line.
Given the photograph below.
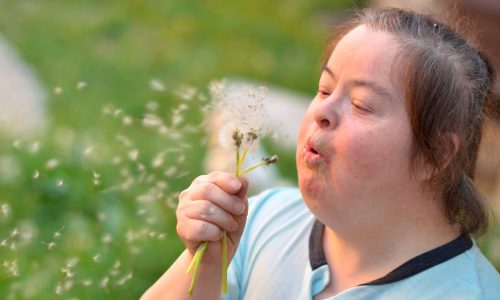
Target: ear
x=451 y=144
x=445 y=151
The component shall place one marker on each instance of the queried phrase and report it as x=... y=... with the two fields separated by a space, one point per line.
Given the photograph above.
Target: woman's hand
x=211 y=204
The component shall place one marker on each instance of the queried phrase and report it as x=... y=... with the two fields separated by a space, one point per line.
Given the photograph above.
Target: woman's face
x=354 y=142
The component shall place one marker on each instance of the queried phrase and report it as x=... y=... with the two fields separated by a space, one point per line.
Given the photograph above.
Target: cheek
x=373 y=154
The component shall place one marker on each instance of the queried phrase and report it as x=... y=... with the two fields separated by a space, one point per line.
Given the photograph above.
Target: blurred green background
x=87 y=207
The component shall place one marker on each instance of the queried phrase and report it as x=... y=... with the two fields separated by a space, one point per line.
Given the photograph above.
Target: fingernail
x=238 y=207
x=234 y=184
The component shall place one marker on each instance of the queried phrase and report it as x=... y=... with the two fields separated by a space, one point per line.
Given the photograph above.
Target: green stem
x=201 y=250
x=251 y=168
x=224 y=263
x=242 y=158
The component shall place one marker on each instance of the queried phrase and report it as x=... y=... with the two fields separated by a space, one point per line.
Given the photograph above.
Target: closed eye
x=323 y=94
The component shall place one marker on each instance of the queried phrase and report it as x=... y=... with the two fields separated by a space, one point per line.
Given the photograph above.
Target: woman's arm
x=213 y=203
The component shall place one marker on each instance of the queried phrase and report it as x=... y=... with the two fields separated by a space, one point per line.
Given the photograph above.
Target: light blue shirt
x=273 y=262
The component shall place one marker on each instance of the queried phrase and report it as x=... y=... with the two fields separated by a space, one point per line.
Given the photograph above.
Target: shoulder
x=276 y=205
x=467 y=276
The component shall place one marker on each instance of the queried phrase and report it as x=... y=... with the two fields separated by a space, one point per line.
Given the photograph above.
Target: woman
x=386 y=201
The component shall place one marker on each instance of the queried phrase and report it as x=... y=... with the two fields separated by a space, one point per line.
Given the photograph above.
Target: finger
x=226 y=181
x=193 y=231
x=208 y=211
x=213 y=193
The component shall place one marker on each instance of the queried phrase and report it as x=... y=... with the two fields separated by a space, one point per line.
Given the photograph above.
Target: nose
x=326 y=113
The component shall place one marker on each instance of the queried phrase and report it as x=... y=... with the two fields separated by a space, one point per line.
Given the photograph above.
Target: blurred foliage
x=87 y=207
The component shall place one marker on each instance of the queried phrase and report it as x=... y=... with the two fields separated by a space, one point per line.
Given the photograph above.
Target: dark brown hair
x=446 y=83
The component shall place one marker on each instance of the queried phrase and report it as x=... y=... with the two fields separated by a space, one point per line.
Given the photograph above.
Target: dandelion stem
x=237 y=172
x=201 y=250
x=242 y=158
x=224 y=263
x=264 y=162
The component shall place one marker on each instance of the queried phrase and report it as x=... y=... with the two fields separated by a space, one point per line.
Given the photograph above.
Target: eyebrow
x=377 y=88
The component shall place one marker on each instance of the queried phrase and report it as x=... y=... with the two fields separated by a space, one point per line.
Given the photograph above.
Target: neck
x=370 y=248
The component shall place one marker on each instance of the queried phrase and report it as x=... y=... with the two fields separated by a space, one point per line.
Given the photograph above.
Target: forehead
x=366 y=54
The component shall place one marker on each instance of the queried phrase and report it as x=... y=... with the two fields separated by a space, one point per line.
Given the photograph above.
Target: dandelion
x=240 y=134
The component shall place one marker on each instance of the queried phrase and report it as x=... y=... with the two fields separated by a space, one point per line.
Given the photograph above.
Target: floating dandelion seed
x=170 y=171
x=127 y=120
x=35 y=147
x=87 y=151
x=80 y=85
x=116 y=160
x=87 y=282
x=58 y=90
x=59 y=182
x=107 y=238
x=50 y=245
x=36 y=174
x=133 y=155
x=52 y=163
x=124 y=279
x=16 y=143
x=162 y=236
x=151 y=121
x=152 y=106
x=157 y=85
x=104 y=282
x=5 y=209
x=186 y=92
x=96 y=258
